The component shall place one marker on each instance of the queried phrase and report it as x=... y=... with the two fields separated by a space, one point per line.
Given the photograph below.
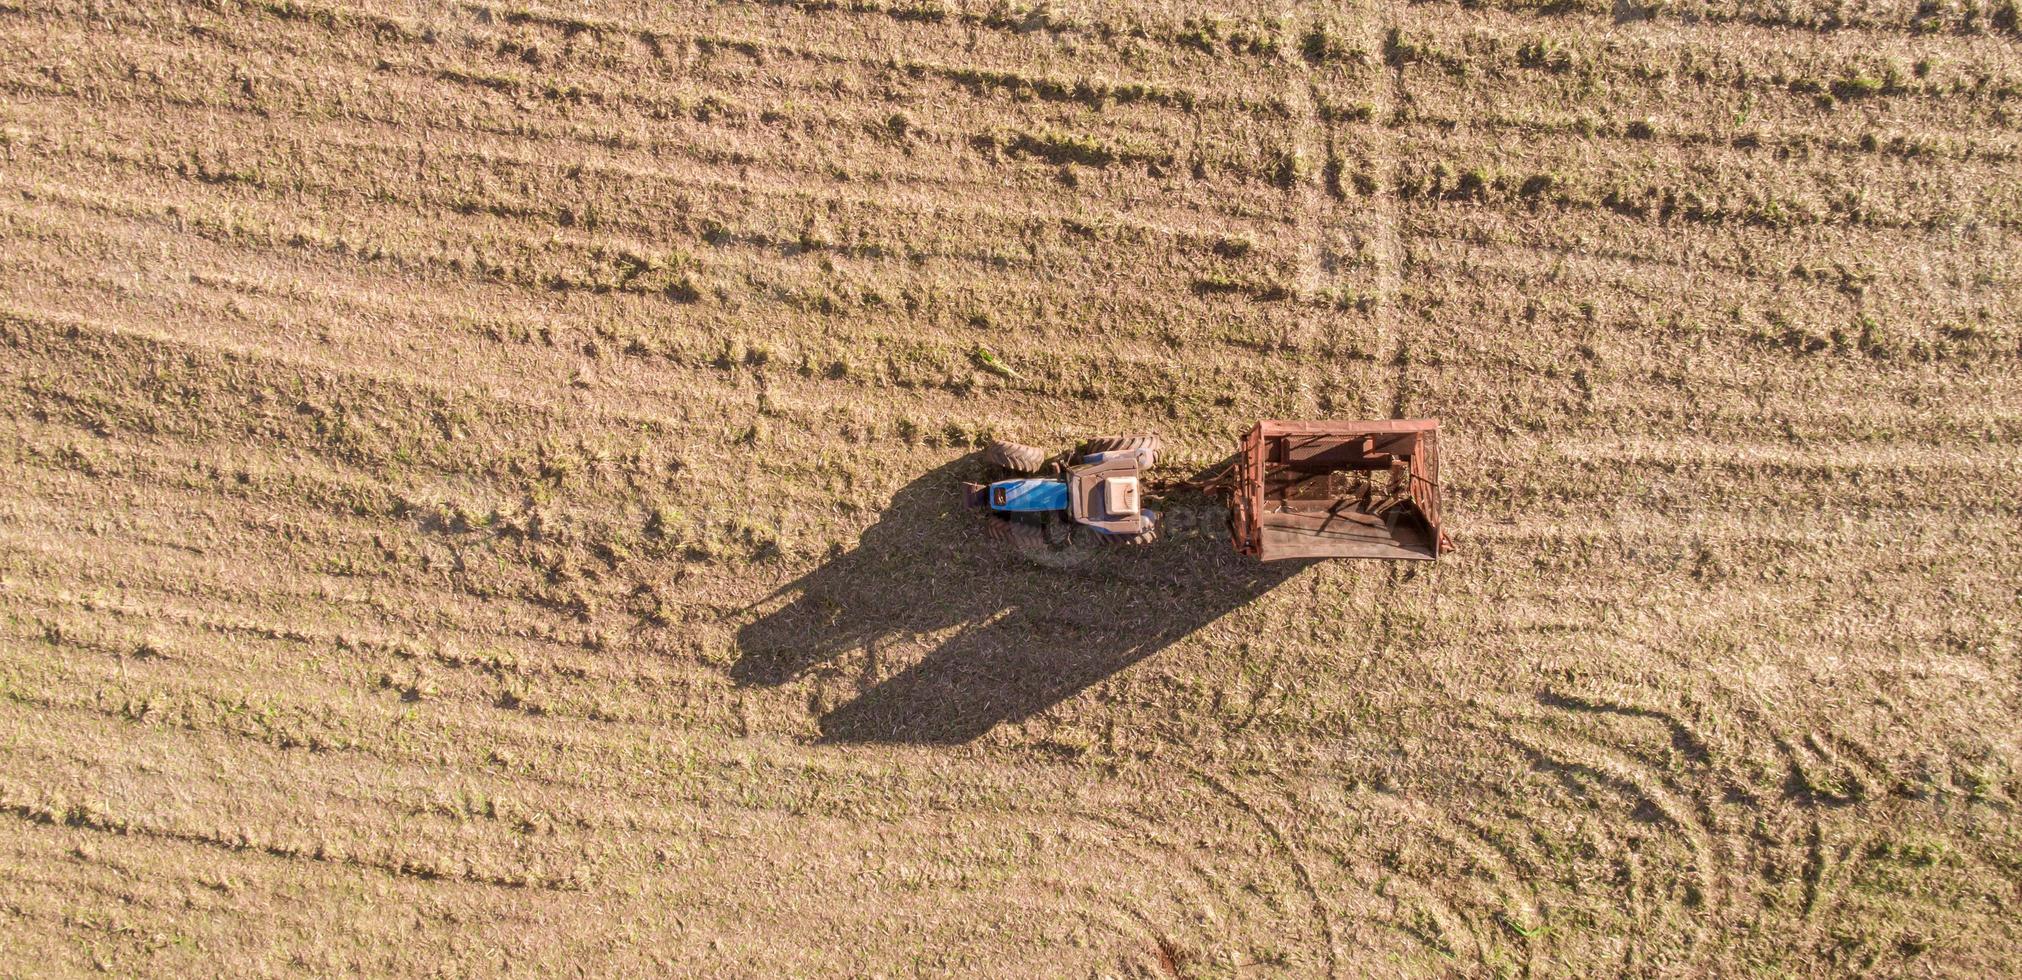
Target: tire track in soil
x=639 y=403
x=1312 y=263
x=1207 y=888
x=1415 y=910
x=1504 y=878
x=1129 y=913
x=418 y=868
x=1199 y=897
x=1430 y=920
x=1211 y=899
x=1323 y=923
x=1823 y=771
x=1444 y=928
x=1126 y=923
x=1642 y=781
x=1386 y=245
x=1317 y=264
x=1817 y=774
x=1514 y=721
x=1159 y=938
x=701 y=172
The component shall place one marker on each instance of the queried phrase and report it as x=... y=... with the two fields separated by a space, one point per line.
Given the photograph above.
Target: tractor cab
x=1103 y=492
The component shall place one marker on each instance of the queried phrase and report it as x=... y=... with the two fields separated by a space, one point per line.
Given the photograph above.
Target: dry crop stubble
x=482 y=488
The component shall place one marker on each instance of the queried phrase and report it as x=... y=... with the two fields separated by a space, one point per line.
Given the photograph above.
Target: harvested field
x=483 y=488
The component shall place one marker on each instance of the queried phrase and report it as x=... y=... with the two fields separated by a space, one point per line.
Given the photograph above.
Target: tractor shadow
x=1005 y=635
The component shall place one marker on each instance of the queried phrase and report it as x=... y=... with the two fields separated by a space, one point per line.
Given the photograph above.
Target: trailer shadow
x=1005 y=634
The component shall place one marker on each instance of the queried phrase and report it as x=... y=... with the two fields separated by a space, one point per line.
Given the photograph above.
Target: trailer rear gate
x=1338 y=490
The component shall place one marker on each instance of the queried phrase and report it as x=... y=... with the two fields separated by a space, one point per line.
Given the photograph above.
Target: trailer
x=1295 y=490
x=1337 y=490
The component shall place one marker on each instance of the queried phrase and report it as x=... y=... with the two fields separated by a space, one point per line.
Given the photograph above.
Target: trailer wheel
x=1110 y=444
x=1016 y=457
x=1141 y=538
x=1015 y=535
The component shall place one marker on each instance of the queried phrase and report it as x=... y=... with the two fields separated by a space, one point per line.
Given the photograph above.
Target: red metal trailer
x=1338 y=490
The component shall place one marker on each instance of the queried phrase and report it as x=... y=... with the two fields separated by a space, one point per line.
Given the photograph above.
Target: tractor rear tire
x=1110 y=444
x=1016 y=457
x=1015 y=535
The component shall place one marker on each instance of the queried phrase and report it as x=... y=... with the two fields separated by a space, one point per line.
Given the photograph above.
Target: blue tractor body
x=1028 y=496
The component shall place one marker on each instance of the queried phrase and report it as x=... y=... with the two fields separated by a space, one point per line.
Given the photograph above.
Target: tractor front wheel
x=1016 y=457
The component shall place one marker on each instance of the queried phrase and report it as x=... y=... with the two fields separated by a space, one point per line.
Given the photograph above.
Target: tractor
x=1294 y=490
x=1099 y=486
